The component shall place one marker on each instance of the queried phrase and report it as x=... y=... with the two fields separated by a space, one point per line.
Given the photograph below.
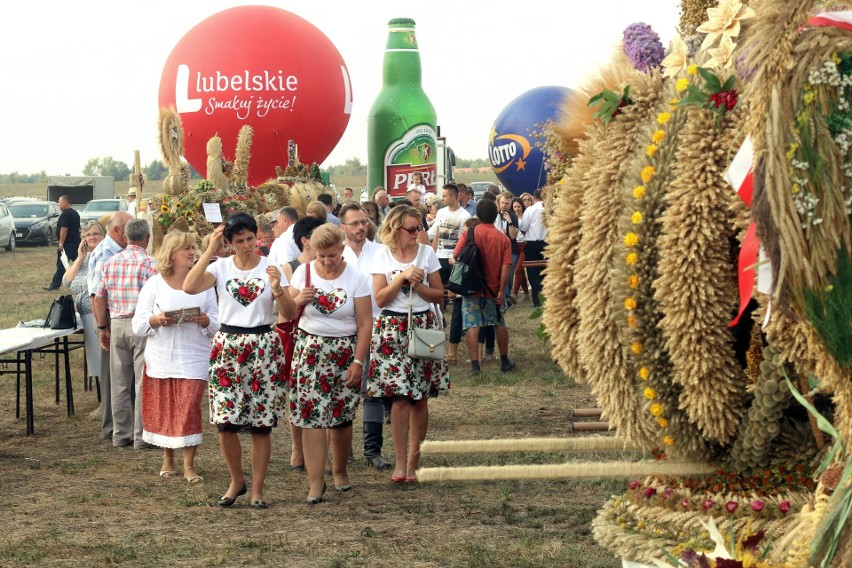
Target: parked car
x=7 y=229
x=480 y=187
x=35 y=221
x=97 y=208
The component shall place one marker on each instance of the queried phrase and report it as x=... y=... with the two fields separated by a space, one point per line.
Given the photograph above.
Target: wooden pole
x=590 y=426
x=586 y=470
x=586 y=412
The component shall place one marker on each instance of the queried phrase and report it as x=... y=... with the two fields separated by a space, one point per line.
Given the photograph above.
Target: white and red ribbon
x=741 y=178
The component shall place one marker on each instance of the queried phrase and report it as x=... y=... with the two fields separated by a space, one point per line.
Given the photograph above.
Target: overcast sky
x=80 y=79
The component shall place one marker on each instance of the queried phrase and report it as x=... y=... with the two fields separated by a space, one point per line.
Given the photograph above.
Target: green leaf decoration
x=830 y=310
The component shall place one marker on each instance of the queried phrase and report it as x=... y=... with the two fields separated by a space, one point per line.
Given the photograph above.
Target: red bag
x=287 y=333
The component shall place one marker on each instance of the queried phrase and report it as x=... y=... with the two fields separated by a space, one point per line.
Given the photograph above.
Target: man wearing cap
x=131 y=202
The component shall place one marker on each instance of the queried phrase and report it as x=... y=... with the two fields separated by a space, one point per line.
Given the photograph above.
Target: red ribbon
x=745 y=267
x=825 y=20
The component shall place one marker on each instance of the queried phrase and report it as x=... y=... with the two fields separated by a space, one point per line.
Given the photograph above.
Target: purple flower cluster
x=643 y=46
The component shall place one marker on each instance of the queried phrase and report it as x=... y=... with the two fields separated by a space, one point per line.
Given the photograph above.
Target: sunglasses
x=357 y=223
x=410 y=230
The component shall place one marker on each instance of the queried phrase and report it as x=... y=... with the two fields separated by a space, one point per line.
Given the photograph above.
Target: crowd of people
x=163 y=332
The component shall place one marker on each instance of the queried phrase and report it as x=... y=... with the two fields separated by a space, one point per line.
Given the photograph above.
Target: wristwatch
x=359 y=361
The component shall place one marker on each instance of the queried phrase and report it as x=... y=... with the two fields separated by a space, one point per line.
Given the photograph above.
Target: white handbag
x=425 y=343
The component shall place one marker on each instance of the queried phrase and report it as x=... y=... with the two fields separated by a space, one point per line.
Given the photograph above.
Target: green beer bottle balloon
x=401 y=126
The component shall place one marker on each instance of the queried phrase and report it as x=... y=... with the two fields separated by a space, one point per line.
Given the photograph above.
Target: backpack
x=466 y=276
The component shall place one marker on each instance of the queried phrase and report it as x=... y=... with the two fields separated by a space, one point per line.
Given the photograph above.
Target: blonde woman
x=317 y=209
x=177 y=354
x=407 y=382
x=76 y=278
x=328 y=360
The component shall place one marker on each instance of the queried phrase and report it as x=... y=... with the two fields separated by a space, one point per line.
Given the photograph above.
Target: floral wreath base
x=659 y=515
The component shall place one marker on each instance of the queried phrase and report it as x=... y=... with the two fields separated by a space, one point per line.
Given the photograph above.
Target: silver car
x=96 y=208
x=7 y=229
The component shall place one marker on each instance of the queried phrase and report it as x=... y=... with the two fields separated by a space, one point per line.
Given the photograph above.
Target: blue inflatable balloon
x=517 y=161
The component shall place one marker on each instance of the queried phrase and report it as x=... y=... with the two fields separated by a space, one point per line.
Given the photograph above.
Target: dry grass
x=71 y=499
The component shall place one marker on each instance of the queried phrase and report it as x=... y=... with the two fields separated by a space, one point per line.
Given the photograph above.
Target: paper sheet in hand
x=212 y=212
x=183 y=314
x=64 y=259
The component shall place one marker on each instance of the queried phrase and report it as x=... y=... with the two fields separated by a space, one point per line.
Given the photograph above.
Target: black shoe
x=226 y=501
x=343 y=488
x=50 y=288
x=258 y=505
x=299 y=468
x=378 y=462
x=507 y=365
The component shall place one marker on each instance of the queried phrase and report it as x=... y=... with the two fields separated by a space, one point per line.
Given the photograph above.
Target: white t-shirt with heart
x=245 y=298
x=385 y=264
x=332 y=311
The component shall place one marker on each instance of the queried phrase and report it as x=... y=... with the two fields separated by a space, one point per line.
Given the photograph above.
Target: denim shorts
x=481 y=312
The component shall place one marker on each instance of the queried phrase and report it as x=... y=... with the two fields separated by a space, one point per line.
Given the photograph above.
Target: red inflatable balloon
x=265 y=67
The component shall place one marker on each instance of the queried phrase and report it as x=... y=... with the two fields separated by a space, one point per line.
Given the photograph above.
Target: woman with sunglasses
x=407 y=382
x=246 y=389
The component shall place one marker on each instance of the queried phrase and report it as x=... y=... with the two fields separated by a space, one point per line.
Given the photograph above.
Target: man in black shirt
x=68 y=227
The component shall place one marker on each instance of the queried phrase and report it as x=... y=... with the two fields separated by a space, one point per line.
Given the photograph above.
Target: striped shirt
x=105 y=250
x=121 y=279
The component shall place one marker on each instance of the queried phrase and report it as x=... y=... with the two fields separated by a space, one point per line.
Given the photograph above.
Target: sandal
x=193 y=478
x=168 y=473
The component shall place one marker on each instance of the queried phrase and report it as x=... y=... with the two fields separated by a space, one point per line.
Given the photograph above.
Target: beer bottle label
x=415 y=152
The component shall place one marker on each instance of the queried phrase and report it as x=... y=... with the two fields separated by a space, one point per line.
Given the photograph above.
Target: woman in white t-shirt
x=246 y=386
x=332 y=341
x=407 y=382
x=177 y=355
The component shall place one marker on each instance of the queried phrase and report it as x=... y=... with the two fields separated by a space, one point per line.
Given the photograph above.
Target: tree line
x=157 y=170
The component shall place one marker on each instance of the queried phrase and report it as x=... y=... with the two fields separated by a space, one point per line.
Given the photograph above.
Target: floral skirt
x=319 y=397
x=171 y=411
x=245 y=384
x=392 y=372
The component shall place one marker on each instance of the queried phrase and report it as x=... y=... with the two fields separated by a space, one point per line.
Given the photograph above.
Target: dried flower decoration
x=677 y=60
x=721 y=57
x=714 y=95
x=724 y=21
x=642 y=46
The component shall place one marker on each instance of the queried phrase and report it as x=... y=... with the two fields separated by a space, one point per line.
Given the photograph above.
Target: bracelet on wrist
x=359 y=361
x=278 y=295
x=103 y=326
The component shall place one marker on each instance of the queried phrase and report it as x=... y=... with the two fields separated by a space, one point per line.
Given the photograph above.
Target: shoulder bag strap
x=307 y=285
x=411 y=288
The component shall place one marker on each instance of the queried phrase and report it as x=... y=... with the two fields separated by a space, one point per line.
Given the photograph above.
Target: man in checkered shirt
x=121 y=279
x=113 y=243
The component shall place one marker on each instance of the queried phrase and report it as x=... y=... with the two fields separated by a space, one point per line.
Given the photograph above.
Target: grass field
x=71 y=499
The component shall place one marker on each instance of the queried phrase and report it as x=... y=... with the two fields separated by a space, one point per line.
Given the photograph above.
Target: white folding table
x=23 y=342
